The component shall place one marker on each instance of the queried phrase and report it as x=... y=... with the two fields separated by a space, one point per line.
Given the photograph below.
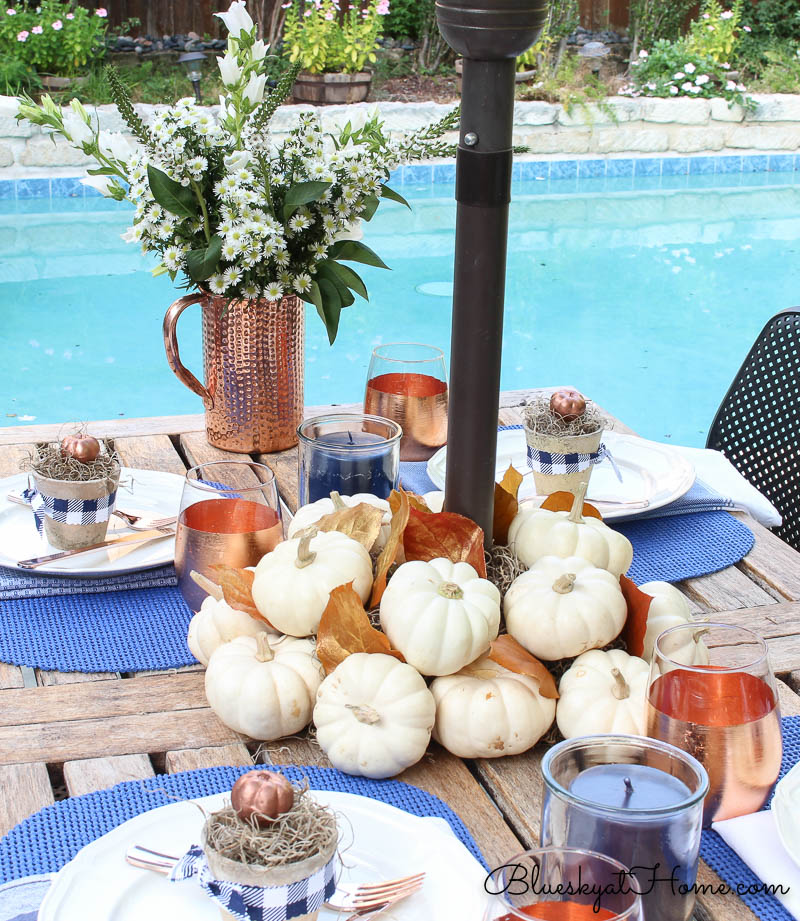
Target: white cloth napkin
x=716 y=471
x=755 y=839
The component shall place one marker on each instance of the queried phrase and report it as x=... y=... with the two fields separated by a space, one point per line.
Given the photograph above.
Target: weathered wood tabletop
x=68 y=734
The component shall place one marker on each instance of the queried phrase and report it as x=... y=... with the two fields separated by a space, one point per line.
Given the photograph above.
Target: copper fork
x=371 y=898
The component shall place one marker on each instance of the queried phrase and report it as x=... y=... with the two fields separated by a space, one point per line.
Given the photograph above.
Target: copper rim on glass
x=348 y=453
x=230 y=515
x=407 y=382
x=712 y=693
x=562 y=884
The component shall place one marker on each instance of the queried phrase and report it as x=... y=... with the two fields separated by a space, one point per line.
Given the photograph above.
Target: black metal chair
x=757 y=426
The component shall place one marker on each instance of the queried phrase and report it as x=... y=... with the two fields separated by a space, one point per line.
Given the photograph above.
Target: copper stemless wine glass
x=407 y=383
x=229 y=514
x=712 y=693
x=562 y=884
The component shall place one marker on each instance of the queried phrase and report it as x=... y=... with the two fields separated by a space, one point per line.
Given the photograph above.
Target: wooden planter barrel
x=331 y=89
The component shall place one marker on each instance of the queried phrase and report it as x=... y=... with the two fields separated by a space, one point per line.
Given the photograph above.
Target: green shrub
x=715 y=32
x=403 y=19
x=774 y=20
x=781 y=70
x=55 y=37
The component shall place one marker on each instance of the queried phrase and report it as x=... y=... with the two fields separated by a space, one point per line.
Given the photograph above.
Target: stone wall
x=620 y=126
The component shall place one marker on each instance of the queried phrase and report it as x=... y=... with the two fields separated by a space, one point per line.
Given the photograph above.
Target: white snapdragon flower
x=254 y=91
x=259 y=50
x=116 y=146
x=273 y=291
x=229 y=69
x=103 y=184
x=237 y=19
x=353 y=231
x=237 y=160
x=77 y=130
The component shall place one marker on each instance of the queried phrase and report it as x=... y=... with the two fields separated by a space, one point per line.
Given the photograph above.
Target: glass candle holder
x=562 y=884
x=724 y=711
x=407 y=383
x=636 y=800
x=347 y=453
x=230 y=514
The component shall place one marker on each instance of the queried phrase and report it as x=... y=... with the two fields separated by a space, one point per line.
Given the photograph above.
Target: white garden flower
x=298 y=222
x=251 y=290
x=172 y=258
x=673 y=90
x=115 y=145
x=689 y=68
x=229 y=69
x=103 y=184
x=643 y=53
x=702 y=79
x=726 y=14
x=217 y=284
x=237 y=19
x=259 y=50
x=273 y=291
x=680 y=75
x=77 y=130
x=237 y=160
x=687 y=87
x=254 y=91
x=302 y=283
x=232 y=276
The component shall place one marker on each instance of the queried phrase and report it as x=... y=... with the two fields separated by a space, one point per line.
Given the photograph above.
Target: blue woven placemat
x=17 y=584
x=727 y=863
x=51 y=837
x=122 y=631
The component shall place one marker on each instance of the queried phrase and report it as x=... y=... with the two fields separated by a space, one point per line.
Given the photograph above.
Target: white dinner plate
x=786 y=812
x=147 y=492
x=377 y=842
x=653 y=474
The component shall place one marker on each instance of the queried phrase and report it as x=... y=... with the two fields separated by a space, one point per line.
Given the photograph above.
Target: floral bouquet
x=232 y=212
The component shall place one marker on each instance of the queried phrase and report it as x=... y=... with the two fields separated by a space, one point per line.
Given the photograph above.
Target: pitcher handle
x=171 y=347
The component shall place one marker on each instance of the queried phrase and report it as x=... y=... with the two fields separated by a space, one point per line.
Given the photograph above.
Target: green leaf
x=349 y=277
x=371 y=203
x=171 y=195
x=393 y=196
x=354 y=251
x=203 y=262
x=331 y=307
x=325 y=271
x=301 y=193
x=102 y=171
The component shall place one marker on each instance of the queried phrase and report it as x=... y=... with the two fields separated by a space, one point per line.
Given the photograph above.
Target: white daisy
x=273 y=291
x=217 y=284
x=302 y=283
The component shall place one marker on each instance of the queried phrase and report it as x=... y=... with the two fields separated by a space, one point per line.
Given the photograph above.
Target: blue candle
x=637 y=800
x=348 y=454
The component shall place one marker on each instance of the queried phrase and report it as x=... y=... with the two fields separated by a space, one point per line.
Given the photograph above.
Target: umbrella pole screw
x=470 y=139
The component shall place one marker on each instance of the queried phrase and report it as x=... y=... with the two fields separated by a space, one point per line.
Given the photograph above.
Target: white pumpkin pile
x=375 y=714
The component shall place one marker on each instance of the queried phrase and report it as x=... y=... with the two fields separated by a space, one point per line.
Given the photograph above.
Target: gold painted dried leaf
x=237 y=589
x=506 y=651
x=431 y=535
x=362 y=522
x=506 y=504
x=345 y=628
x=399 y=504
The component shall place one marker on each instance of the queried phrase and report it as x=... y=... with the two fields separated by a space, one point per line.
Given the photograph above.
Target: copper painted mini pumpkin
x=82 y=447
x=261 y=796
x=569 y=404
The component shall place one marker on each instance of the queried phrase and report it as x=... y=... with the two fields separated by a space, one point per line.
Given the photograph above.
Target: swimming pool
x=644 y=292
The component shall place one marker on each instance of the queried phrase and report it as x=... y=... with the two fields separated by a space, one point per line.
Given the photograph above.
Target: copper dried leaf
x=638 y=609
x=562 y=502
x=362 y=522
x=237 y=589
x=399 y=504
x=506 y=504
x=345 y=628
x=506 y=651
x=444 y=534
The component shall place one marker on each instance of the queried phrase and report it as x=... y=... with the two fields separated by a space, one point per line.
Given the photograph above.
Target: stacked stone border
x=618 y=128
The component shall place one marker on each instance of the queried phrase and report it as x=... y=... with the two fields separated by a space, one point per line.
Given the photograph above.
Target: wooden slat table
x=68 y=734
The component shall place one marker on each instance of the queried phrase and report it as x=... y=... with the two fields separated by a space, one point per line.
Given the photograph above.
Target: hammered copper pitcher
x=253 y=363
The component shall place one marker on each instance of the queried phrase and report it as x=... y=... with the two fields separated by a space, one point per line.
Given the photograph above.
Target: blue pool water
x=644 y=293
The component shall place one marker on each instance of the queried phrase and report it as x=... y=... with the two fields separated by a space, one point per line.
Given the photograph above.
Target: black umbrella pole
x=483 y=193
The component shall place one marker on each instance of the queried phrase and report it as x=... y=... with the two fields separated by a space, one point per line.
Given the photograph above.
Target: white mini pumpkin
x=374 y=715
x=434 y=500
x=669 y=608
x=440 y=615
x=603 y=692
x=294 y=581
x=487 y=711
x=310 y=514
x=560 y=608
x=264 y=687
x=538 y=532
x=216 y=623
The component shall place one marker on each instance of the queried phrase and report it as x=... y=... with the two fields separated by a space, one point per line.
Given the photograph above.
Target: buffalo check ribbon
x=258 y=903
x=69 y=511
x=550 y=462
